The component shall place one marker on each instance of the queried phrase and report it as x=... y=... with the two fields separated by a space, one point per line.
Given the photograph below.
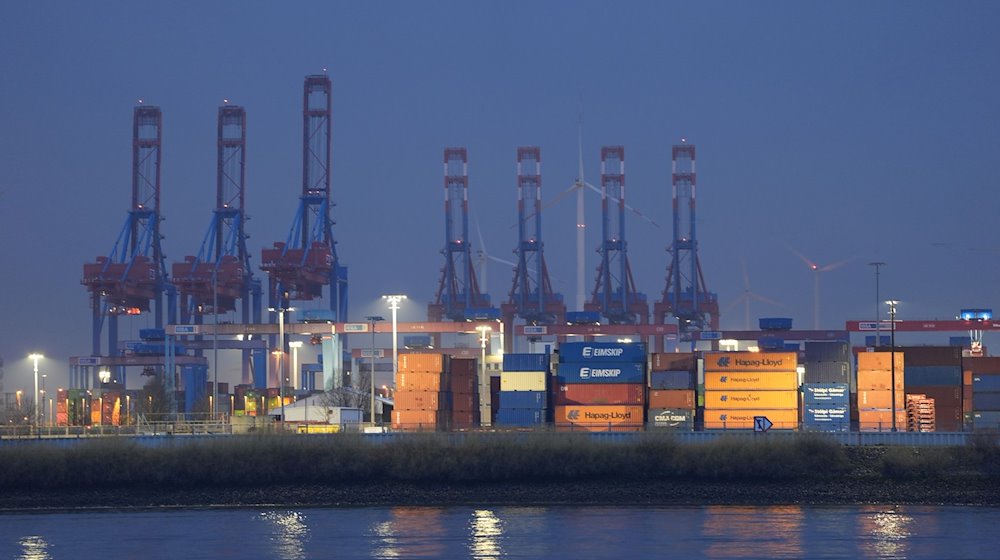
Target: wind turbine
x=749 y=295
x=817 y=270
x=484 y=256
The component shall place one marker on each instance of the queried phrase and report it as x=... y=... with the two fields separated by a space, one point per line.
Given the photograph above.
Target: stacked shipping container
x=423 y=398
x=875 y=392
x=985 y=389
x=740 y=386
x=826 y=389
x=936 y=372
x=600 y=386
x=523 y=396
x=671 y=402
x=464 y=389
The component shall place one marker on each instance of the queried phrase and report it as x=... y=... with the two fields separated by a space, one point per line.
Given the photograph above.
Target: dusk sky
x=858 y=131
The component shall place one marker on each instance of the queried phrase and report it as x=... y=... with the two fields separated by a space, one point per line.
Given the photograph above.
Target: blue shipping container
x=986 y=383
x=671 y=380
x=986 y=401
x=523 y=399
x=827 y=372
x=933 y=376
x=525 y=362
x=576 y=352
x=775 y=323
x=823 y=413
x=826 y=394
x=986 y=419
x=153 y=334
x=520 y=416
x=614 y=372
x=826 y=351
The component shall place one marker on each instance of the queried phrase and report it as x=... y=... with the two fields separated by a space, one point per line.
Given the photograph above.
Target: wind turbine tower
x=685 y=295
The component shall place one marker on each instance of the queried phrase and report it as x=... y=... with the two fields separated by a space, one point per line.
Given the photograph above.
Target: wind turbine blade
x=501 y=261
x=808 y=262
x=736 y=302
x=746 y=276
x=479 y=232
x=838 y=264
x=627 y=207
x=766 y=300
x=550 y=203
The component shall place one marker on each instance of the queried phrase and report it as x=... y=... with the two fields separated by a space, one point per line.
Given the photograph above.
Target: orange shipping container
x=420 y=381
x=880 y=399
x=879 y=361
x=416 y=419
x=880 y=420
x=418 y=400
x=751 y=361
x=594 y=415
x=879 y=380
x=597 y=428
x=422 y=363
x=682 y=398
x=755 y=380
x=744 y=419
x=721 y=400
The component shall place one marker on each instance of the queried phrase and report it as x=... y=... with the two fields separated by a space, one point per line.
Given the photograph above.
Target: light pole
x=295 y=345
x=484 y=334
x=215 y=335
x=394 y=307
x=280 y=352
x=892 y=355
x=372 y=319
x=878 y=316
x=35 y=357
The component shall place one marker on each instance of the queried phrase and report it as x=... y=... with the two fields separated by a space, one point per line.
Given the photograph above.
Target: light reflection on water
x=507 y=532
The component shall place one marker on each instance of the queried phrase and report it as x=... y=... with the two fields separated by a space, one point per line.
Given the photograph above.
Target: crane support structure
x=614 y=295
x=685 y=296
x=531 y=296
x=132 y=278
x=458 y=297
x=300 y=267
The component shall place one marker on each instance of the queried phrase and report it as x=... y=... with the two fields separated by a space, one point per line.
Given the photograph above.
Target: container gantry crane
x=531 y=296
x=134 y=275
x=458 y=297
x=614 y=295
x=685 y=295
x=300 y=267
x=220 y=275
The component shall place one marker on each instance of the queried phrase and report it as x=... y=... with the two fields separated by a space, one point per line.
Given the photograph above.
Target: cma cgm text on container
x=750 y=361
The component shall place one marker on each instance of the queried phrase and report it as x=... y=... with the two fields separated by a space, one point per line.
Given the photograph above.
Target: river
x=554 y=532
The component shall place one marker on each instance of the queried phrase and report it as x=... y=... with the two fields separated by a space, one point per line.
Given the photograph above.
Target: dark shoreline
x=874 y=491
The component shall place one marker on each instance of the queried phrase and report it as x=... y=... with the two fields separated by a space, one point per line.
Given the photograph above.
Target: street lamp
x=877 y=265
x=372 y=319
x=35 y=357
x=892 y=356
x=393 y=301
x=280 y=352
x=484 y=334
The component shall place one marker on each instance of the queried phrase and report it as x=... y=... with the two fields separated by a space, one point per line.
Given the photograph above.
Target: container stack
x=826 y=389
x=740 y=386
x=936 y=371
x=985 y=374
x=875 y=392
x=523 y=397
x=464 y=389
x=919 y=413
x=600 y=387
x=671 y=401
x=423 y=397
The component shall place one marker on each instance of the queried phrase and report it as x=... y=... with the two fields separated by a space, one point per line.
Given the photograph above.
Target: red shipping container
x=673 y=361
x=464 y=401
x=681 y=398
x=464 y=366
x=982 y=364
x=463 y=383
x=600 y=393
x=948 y=397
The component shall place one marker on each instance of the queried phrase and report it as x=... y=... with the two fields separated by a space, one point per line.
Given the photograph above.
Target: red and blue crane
x=299 y=268
x=531 y=296
x=132 y=278
x=615 y=296
x=685 y=296
x=458 y=297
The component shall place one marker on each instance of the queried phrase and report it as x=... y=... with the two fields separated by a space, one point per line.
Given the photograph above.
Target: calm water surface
x=508 y=532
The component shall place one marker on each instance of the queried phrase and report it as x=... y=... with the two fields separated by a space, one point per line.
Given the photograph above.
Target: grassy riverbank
x=492 y=468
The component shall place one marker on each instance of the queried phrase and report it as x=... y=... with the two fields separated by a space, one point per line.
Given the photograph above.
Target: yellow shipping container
x=719 y=400
x=420 y=381
x=752 y=380
x=594 y=415
x=751 y=361
x=522 y=381
x=416 y=363
x=879 y=380
x=879 y=361
x=744 y=419
x=879 y=399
